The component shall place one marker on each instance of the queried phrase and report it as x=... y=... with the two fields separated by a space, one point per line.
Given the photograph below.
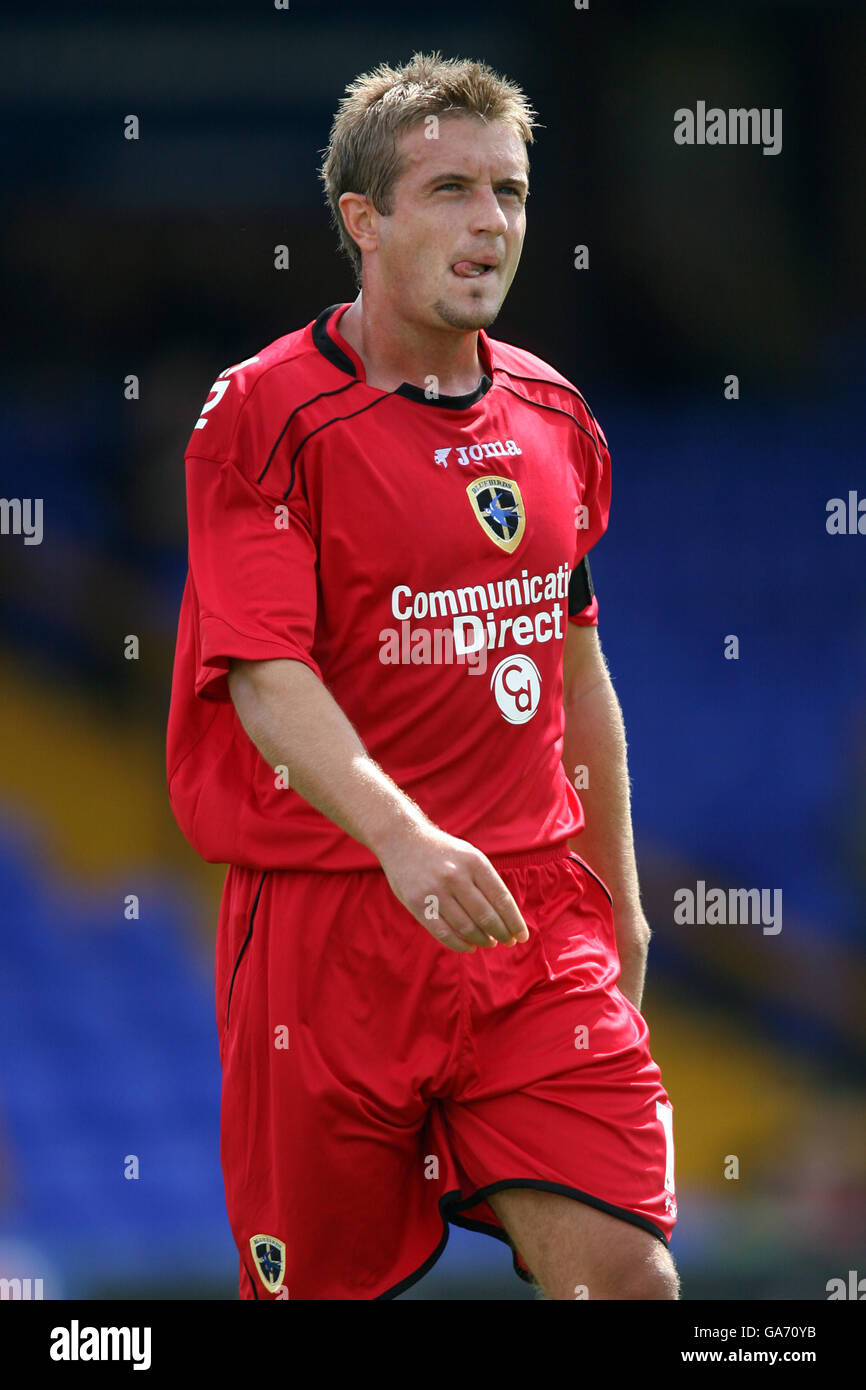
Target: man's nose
x=487 y=215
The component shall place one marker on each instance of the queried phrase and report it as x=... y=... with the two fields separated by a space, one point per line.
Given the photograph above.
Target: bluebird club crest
x=270 y=1257
x=498 y=508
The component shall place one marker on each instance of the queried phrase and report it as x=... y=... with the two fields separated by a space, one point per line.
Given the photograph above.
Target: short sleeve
x=594 y=515
x=253 y=567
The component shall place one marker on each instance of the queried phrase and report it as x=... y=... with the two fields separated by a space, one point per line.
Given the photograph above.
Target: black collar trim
x=326 y=345
x=417 y=393
x=335 y=354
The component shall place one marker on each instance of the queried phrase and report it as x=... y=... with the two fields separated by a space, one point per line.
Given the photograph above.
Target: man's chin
x=468 y=317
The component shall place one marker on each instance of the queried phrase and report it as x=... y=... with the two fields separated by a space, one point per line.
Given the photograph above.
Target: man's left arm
x=594 y=737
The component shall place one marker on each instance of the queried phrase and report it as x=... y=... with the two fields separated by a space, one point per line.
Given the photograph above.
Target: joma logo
x=474 y=453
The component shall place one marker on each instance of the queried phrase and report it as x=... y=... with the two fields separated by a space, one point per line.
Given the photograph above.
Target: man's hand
x=448 y=885
x=452 y=889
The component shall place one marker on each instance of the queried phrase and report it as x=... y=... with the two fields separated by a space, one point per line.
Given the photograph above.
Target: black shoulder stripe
x=336 y=420
x=588 y=408
x=559 y=411
x=580 y=590
x=545 y=381
x=302 y=406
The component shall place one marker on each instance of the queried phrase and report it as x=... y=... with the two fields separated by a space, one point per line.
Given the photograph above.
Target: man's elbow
x=243 y=679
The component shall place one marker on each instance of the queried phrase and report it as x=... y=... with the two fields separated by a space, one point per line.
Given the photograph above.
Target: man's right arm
x=294 y=722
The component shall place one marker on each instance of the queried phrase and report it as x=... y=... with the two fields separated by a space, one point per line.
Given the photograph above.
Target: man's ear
x=360 y=218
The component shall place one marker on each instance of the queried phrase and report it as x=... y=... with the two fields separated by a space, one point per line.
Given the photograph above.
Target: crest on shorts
x=498 y=509
x=269 y=1254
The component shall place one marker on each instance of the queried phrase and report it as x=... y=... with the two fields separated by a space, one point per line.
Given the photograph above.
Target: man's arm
x=295 y=722
x=594 y=737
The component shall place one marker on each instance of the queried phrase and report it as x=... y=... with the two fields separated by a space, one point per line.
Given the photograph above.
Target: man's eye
x=447 y=185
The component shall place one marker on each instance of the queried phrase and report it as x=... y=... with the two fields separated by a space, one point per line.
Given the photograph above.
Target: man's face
x=447 y=253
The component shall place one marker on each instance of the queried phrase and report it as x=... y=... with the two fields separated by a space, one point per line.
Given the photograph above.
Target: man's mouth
x=473 y=269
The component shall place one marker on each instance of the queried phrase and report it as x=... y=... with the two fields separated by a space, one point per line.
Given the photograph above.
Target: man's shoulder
x=268 y=386
x=535 y=379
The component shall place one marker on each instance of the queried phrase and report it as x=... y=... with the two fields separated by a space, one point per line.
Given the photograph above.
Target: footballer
x=387 y=674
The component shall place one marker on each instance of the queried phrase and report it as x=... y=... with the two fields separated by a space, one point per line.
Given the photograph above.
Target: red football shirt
x=422 y=554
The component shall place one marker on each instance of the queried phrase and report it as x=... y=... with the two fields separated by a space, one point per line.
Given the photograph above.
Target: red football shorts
x=377 y=1086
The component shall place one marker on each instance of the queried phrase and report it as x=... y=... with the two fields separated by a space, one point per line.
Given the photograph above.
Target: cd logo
x=516 y=686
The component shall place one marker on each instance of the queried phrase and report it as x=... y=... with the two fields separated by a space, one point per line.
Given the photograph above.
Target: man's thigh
x=333 y=1016
x=577 y=1252
x=559 y=1093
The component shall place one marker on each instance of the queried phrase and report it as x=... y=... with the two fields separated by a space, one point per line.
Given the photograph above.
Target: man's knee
x=620 y=1276
x=651 y=1280
x=576 y=1252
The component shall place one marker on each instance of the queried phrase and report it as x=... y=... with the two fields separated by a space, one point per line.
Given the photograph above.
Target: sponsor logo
x=516 y=686
x=476 y=453
x=476 y=628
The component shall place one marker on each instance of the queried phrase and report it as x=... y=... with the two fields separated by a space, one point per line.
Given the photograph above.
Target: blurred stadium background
x=155 y=258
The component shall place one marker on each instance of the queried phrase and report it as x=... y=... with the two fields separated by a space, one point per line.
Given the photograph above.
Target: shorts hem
x=403 y=1284
x=452 y=1204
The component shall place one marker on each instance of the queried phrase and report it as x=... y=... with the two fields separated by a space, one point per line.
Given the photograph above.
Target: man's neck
x=394 y=352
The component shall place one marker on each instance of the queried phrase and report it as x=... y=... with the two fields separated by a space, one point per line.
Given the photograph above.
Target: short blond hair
x=380 y=105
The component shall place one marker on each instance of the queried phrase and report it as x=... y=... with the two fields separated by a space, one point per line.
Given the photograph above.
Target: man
x=387 y=670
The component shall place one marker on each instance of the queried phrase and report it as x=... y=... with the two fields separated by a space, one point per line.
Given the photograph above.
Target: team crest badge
x=498 y=509
x=270 y=1257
